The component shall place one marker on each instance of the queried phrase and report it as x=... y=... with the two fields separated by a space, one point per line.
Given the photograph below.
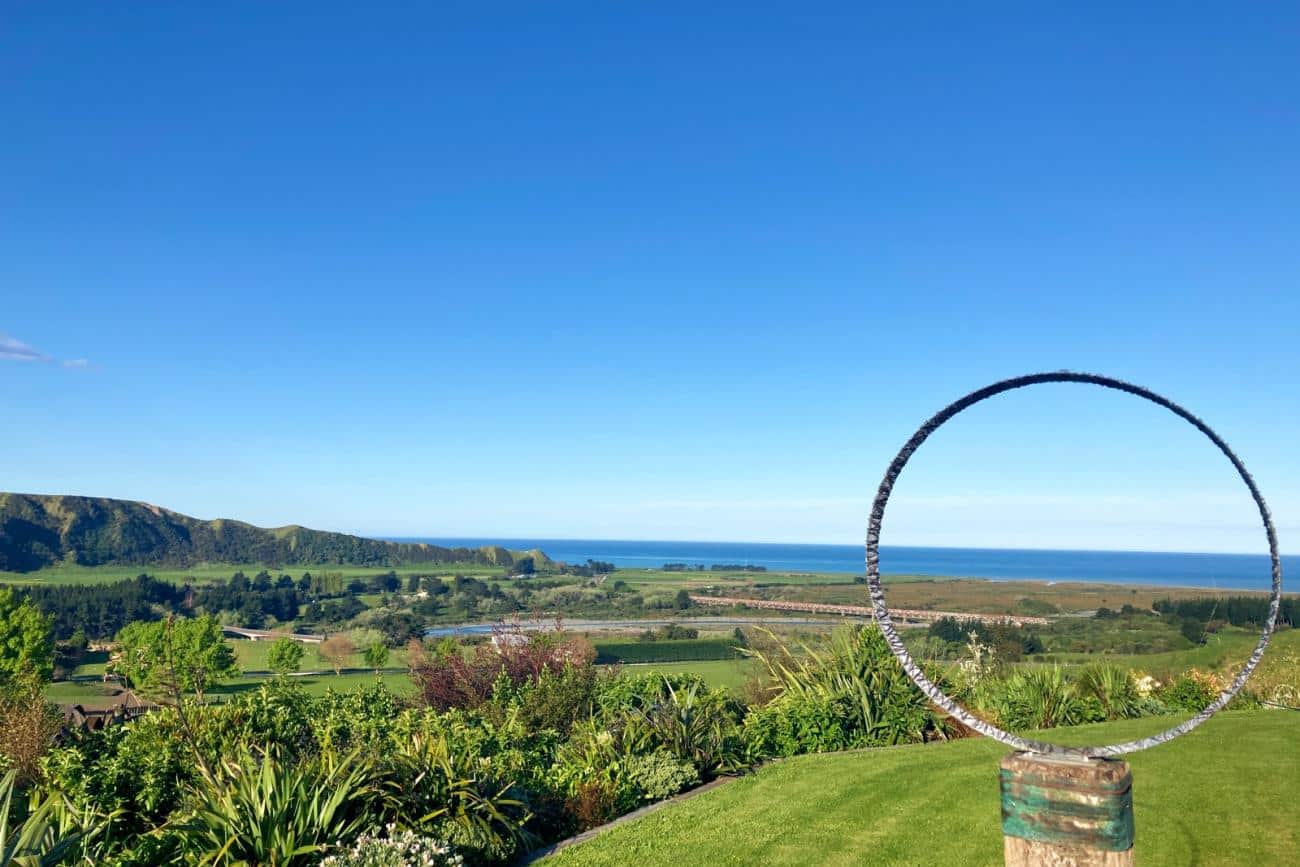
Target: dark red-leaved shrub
x=593 y=804
x=451 y=679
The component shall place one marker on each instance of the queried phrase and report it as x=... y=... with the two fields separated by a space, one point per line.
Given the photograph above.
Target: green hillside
x=39 y=530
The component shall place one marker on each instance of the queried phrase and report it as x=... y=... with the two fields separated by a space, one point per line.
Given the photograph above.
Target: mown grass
x=95 y=694
x=251 y=656
x=1225 y=794
x=728 y=673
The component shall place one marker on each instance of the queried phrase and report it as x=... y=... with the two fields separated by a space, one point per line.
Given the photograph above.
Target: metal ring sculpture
x=933 y=692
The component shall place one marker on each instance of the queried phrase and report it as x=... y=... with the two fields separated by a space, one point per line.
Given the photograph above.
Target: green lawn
x=1225 y=794
x=398 y=682
x=251 y=656
x=731 y=673
x=96 y=694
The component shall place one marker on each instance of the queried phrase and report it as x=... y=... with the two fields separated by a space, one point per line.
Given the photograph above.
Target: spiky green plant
x=857 y=672
x=1113 y=687
x=34 y=841
x=694 y=724
x=273 y=813
x=428 y=786
x=1039 y=698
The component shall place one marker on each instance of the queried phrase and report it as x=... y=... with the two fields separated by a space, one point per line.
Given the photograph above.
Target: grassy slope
x=1226 y=794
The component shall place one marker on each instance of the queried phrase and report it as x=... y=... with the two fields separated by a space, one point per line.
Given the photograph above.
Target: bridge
x=917 y=614
x=267 y=635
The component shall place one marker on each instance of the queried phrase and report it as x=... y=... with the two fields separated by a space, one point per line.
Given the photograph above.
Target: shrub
x=554 y=699
x=432 y=784
x=273 y=812
x=1042 y=697
x=695 y=724
x=856 y=690
x=1113 y=687
x=622 y=690
x=33 y=842
x=356 y=718
x=397 y=849
x=455 y=681
x=593 y=804
x=28 y=726
x=798 y=723
x=660 y=775
x=277 y=712
x=126 y=779
x=1192 y=690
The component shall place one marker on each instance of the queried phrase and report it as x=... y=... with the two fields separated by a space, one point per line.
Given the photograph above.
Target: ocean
x=1223 y=571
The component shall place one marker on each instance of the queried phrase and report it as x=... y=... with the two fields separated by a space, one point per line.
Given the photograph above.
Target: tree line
x=1237 y=610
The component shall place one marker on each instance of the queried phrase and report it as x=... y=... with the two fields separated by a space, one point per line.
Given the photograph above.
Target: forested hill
x=38 y=530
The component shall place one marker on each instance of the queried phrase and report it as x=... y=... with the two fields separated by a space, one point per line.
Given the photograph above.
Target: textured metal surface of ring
x=956 y=710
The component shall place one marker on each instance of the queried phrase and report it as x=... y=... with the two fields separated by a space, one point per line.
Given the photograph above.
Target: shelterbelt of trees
x=39 y=530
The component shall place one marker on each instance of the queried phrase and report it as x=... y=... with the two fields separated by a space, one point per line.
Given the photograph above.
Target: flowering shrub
x=397 y=849
x=660 y=775
x=980 y=663
x=1192 y=690
x=1145 y=684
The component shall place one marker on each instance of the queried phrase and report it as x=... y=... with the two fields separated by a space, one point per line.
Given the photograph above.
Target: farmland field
x=221 y=571
x=1225 y=794
x=994 y=597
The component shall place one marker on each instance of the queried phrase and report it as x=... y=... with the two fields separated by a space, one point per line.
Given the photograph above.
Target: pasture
x=984 y=596
x=207 y=572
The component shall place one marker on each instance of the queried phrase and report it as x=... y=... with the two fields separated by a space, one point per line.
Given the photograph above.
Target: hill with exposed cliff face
x=38 y=530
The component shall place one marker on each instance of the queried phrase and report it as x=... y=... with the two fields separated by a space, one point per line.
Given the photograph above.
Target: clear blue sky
x=680 y=271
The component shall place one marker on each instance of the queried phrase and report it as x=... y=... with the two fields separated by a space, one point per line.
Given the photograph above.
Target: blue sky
x=585 y=270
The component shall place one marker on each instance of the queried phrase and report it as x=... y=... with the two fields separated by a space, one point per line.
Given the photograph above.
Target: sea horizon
x=1159 y=568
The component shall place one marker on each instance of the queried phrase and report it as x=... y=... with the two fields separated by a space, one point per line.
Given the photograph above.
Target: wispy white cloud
x=13 y=349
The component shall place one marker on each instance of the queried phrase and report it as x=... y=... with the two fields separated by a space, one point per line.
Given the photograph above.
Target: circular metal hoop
x=953 y=708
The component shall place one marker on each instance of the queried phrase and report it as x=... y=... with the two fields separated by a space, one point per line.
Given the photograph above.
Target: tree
x=175 y=655
x=1193 y=630
x=683 y=600
x=26 y=640
x=284 y=656
x=376 y=655
x=336 y=651
x=416 y=656
x=525 y=566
